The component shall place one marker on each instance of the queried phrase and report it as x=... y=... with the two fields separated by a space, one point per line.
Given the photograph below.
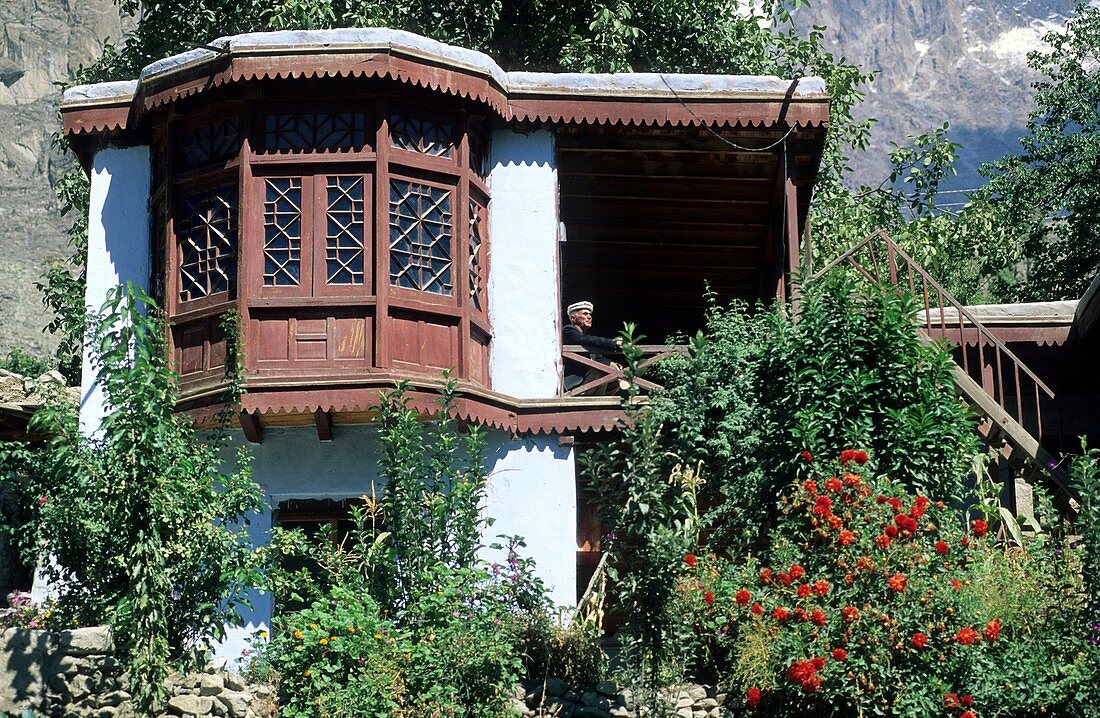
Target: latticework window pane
x=282 y=232
x=475 y=248
x=424 y=136
x=315 y=131
x=420 y=237
x=344 y=231
x=208 y=243
x=207 y=144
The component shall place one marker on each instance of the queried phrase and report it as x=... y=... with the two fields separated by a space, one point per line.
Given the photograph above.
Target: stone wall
x=554 y=697
x=75 y=674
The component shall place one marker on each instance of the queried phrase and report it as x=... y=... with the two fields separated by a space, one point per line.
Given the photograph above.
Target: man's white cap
x=577 y=307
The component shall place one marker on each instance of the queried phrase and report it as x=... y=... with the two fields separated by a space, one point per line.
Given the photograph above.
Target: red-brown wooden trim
x=324 y=424
x=251 y=426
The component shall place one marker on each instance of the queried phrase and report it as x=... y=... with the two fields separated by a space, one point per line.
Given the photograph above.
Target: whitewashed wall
x=118 y=246
x=524 y=302
x=531 y=493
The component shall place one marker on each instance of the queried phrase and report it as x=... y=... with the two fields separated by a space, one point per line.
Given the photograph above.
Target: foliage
x=139 y=528
x=403 y=618
x=1085 y=471
x=1050 y=192
x=24 y=364
x=755 y=391
x=871 y=599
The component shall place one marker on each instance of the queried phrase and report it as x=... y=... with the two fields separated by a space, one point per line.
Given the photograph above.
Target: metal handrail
x=914 y=276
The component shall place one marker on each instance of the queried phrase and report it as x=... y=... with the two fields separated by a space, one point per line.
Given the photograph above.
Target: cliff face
x=42 y=42
x=941 y=61
x=938 y=61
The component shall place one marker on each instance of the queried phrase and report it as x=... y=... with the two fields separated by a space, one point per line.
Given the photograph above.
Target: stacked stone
x=555 y=697
x=76 y=675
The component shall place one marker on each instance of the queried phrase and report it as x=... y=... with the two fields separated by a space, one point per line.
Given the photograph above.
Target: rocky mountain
x=42 y=42
x=937 y=61
x=957 y=61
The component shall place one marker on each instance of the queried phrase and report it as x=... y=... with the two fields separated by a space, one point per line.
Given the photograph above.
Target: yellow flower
x=351 y=629
x=313 y=625
x=297 y=634
x=306 y=673
x=263 y=634
x=324 y=641
x=378 y=636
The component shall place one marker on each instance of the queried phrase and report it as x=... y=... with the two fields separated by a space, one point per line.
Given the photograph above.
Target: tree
x=1050 y=193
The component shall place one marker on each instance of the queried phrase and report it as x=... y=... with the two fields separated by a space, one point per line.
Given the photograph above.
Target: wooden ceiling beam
x=323 y=420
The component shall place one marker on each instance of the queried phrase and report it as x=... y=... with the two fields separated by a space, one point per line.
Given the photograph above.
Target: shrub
x=875 y=600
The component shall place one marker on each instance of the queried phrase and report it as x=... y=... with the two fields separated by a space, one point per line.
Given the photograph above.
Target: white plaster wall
x=524 y=302
x=118 y=247
x=531 y=493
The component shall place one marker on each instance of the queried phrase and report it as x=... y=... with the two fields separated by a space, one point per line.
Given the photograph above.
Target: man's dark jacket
x=575 y=372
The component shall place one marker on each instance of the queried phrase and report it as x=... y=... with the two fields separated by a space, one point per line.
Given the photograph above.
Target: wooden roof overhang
x=675 y=181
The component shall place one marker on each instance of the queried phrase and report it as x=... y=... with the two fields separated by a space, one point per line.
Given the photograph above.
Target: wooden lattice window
x=207 y=235
x=282 y=231
x=475 y=247
x=420 y=237
x=416 y=134
x=344 y=230
x=209 y=143
x=308 y=131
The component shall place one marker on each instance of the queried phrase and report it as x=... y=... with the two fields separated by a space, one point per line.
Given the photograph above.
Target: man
x=577 y=332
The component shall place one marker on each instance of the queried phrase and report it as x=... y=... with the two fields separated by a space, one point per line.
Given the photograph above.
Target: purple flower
x=1051 y=463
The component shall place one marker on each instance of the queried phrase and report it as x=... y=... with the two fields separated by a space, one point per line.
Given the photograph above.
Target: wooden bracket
x=250 y=424
x=324 y=424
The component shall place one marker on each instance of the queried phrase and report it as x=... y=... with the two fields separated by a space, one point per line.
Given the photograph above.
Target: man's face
x=581 y=320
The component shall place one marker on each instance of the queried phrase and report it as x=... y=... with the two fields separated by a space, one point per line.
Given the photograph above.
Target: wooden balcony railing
x=609 y=374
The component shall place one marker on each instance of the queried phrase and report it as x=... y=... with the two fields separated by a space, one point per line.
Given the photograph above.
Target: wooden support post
x=790 y=229
x=324 y=424
x=250 y=424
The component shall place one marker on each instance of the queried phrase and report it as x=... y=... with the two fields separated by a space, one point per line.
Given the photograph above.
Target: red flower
x=895 y=504
x=752 y=698
x=992 y=630
x=43 y=500
x=818 y=617
x=882 y=541
x=821 y=587
x=950 y=700
x=967 y=714
x=835 y=522
x=919 y=507
x=880 y=499
x=839 y=654
x=850 y=614
x=891 y=530
x=942 y=548
x=966 y=636
x=781 y=614
x=689 y=559
x=812 y=684
x=853 y=455
x=708 y=597
x=810 y=487
x=905 y=522
x=833 y=485
x=807 y=456
x=818 y=662
x=757 y=609
x=897 y=582
x=965 y=542
x=800 y=615
x=979 y=528
x=797 y=572
x=765 y=577
x=919 y=641
x=846 y=538
x=784 y=578
x=803 y=590
x=956 y=584
x=865 y=563
x=851 y=480
x=742 y=597
x=967 y=701
x=823 y=506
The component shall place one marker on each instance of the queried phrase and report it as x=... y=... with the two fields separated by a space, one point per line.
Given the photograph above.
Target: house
x=377 y=206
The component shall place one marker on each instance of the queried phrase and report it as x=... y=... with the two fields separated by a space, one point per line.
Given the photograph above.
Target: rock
x=593 y=699
x=72 y=665
x=555 y=687
x=210 y=685
x=685 y=712
x=190 y=705
x=87 y=641
x=234 y=682
x=696 y=693
x=707 y=703
x=262 y=693
x=218 y=709
x=517 y=706
x=216 y=665
x=626 y=699
x=621 y=712
x=235 y=702
x=607 y=688
x=590 y=712
x=113 y=699
x=78 y=687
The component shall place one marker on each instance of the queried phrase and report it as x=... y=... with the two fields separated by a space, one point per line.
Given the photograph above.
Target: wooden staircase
x=1018 y=410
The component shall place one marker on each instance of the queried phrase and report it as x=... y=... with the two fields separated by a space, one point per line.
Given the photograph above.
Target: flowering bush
x=873 y=600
